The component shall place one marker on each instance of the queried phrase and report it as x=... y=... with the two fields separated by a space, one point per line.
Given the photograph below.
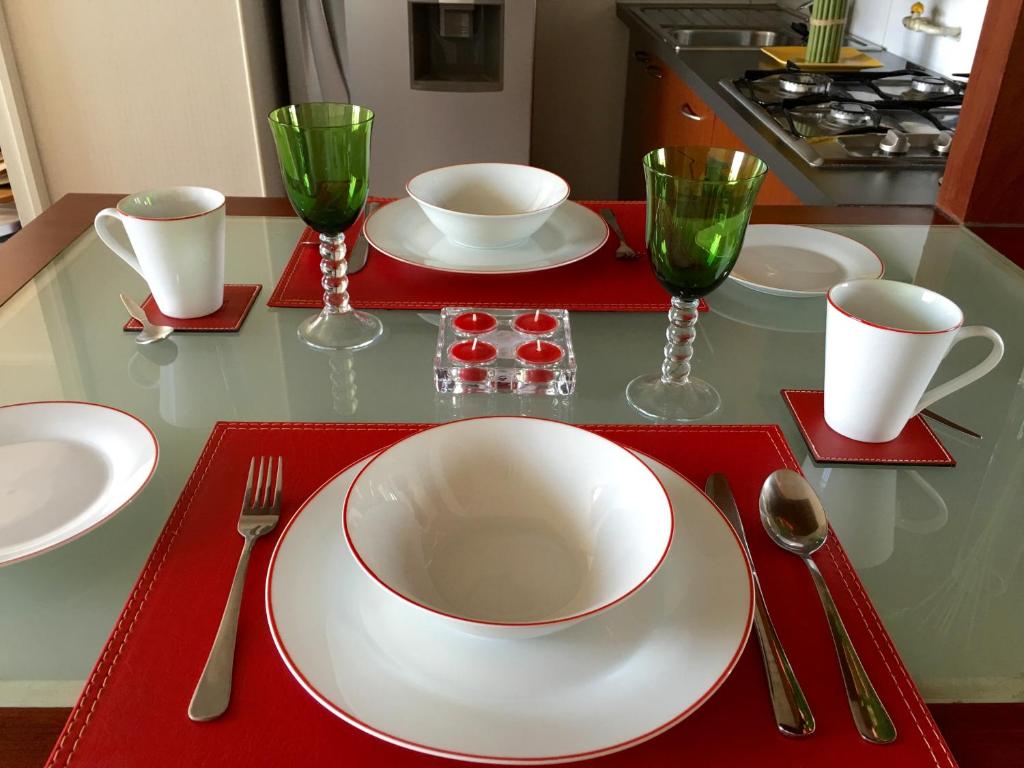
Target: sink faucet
x=916 y=22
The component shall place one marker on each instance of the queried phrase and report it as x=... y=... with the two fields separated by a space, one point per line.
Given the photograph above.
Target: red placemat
x=599 y=283
x=133 y=709
x=915 y=445
x=238 y=300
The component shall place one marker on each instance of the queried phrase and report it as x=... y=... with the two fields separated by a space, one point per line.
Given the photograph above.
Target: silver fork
x=261 y=507
x=623 y=251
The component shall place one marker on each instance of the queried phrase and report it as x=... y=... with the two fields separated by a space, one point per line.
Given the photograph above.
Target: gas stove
x=903 y=118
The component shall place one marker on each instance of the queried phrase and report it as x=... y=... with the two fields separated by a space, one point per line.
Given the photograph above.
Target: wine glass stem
x=682 y=321
x=335 y=278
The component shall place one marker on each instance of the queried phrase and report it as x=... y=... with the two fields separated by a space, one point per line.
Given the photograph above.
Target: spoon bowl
x=792 y=514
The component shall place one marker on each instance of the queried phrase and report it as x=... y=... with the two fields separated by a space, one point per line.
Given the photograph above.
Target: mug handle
x=975 y=373
x=933 y=523
x=103 y=230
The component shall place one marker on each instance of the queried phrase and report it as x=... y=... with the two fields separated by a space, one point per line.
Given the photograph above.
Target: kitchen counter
x=701 y=70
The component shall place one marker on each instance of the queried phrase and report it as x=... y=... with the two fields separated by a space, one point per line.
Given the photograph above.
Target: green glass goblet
x=324 y=152
x=699 y=201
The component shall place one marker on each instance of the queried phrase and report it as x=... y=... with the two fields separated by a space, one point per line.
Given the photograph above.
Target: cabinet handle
x=642 y=56
x=655 y=72
x=687 y=111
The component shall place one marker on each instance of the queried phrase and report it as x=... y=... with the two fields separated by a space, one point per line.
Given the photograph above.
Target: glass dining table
x=940 y=550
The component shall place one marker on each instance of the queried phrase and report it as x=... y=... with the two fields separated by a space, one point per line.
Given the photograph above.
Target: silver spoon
x=795 y=520
x=149 y=332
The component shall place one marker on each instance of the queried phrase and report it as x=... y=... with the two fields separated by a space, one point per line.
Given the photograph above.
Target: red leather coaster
x=598 y=283
x=132 y=711
x=238 y=300
x=916 y=444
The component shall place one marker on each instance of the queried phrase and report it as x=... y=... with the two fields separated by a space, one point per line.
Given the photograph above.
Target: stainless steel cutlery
x=793 y=715
x=795 y=520
x=623 y=251
x=361 y=250
x=150 y=332
x=261 y=507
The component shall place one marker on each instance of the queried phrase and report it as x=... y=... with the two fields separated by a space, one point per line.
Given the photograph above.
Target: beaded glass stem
x=699 y=201
x=682 y=321
x=324 y=151
x=334 y=267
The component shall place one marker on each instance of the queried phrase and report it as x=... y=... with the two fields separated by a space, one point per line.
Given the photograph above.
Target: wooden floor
x=979 y=735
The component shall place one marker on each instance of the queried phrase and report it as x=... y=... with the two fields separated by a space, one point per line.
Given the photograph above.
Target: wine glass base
x=689 y=401
x=340 y=330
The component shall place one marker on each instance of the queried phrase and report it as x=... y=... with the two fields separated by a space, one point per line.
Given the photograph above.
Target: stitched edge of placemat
x=108 y=659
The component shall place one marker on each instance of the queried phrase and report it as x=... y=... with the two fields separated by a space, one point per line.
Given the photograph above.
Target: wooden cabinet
x=663 y=111
x=773 y=191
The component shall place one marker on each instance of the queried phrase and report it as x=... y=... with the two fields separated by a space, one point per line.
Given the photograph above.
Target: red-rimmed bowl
x=508 y=527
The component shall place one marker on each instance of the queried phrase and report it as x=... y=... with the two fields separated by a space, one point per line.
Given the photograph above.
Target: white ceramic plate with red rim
x=65 y=468
x=601 y=686
x=801 y=262
x=402 y=231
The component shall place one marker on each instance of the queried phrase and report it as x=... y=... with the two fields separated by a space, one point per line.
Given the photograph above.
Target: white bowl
x=488 y=205
x=508 y=527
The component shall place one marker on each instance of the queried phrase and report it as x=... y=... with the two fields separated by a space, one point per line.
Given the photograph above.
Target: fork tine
x=278 y=485
x=271 y=481
x=247 y=498
x=257 y=495
x=267 y=479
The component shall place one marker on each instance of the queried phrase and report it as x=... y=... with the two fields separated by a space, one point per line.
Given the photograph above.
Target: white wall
x=129 y=94
x=578 y=92
x=881 y=21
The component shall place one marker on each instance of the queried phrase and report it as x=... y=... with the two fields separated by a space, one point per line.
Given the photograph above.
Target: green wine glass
x=699 y=201
x=324 y=152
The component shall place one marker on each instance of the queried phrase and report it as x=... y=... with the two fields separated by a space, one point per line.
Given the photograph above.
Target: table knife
x=361 y=250
x=792 y=712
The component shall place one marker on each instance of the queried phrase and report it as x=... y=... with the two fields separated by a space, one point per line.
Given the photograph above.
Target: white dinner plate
x=595 y=688
x=402 y=231
x=797 y=262
x=65 y=468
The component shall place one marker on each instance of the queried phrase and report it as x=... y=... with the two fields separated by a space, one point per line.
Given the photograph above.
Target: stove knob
x=943 y=140
x=894 y=143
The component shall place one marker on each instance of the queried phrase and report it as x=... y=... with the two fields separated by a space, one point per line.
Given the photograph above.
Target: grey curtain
x=314 y=46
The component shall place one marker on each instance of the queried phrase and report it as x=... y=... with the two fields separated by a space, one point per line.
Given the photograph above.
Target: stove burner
x=804 y=82
x=930 y=85
x=851 y=114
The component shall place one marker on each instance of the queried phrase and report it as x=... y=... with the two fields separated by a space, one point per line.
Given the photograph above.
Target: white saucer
x=65 y=468
x=595 y=688
x=402 y=231
x=797 y=262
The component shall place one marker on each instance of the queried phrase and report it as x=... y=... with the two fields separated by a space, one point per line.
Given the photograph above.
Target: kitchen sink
x=726 y=27
x=705 y=37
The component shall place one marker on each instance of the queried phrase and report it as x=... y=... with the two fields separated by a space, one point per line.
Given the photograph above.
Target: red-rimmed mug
x=884 y=341
x=177 y=246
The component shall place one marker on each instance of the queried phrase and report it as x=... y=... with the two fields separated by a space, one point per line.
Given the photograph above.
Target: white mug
x=884 y=341
x=177 y=235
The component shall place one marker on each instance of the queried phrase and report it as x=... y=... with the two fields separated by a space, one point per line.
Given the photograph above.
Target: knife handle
x=792 y=712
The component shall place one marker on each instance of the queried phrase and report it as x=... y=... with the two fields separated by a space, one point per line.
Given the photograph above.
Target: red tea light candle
x=473 y=375
x=535 y=323
x=538 y=376
x=538 y=353
x=474 y=322
x=473 y=351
